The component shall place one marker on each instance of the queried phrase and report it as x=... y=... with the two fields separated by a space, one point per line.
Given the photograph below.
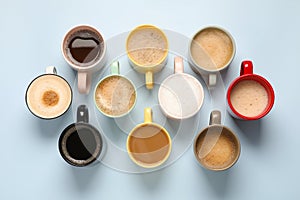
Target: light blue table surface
x=266 y=32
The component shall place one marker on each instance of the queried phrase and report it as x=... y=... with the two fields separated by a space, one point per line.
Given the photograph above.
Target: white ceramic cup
x=211 y=50
x=84 y=70
x=180 y=95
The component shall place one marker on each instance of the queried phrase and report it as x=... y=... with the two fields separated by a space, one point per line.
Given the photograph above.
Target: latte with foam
x=249 y=98
x=48 y=96
x=147 y=46
x=212 y=49
x=115 y=96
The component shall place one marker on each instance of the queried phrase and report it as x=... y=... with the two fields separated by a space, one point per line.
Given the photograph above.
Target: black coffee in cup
x=80 y=144
x=83 y=46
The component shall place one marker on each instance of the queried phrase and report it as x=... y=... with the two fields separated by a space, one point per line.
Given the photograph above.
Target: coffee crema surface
x=149 y=145
x=115 y=95
x=48 y=96
x=249 y=98
x=212 y=49
x=147 y=46
x=216 y=148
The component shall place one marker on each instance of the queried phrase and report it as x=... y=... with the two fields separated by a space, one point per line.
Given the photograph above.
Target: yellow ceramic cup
x=147 y=49
x=149 y=144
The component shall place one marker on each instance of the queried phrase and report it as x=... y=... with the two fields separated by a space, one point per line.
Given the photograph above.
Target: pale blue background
x=265 y=31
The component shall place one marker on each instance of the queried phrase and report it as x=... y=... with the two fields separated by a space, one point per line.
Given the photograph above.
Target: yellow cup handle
x=148 y=115
x=149 y=80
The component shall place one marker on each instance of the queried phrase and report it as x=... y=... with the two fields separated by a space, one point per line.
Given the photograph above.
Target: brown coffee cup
x=216 y=147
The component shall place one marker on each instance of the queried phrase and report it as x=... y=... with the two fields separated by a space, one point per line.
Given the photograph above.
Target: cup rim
x=156 y=164
x=49 y=118
x=94 y=156
x=229 y=61
x=109 y=76
x=261 y=80
x=87 y=67
x=233 y=135
x=196 y=82
x=137 y=28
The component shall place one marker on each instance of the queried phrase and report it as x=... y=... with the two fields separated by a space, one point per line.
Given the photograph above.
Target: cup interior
x=216 y=148
x=267 y=88
x=80 y=144
x=83 y=47
x=176 y=91
x=149 y=145
x=115 y=96
x=212 y=49
x=48 y=96
x=147 y=46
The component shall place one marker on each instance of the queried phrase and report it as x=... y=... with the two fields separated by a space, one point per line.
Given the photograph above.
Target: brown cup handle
x=215 y=117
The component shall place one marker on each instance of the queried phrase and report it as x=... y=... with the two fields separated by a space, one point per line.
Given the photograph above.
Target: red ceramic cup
x=249 y=98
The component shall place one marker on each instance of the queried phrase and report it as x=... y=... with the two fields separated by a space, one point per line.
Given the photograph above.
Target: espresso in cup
x=115 y=95
x=48 y=96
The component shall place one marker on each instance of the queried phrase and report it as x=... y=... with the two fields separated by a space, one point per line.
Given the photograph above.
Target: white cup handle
x=212 y=79
x=51 y=70
x=84 y=82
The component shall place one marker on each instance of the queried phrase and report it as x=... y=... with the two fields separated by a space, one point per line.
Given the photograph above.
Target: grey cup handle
x=82 y=114
x=215 y=117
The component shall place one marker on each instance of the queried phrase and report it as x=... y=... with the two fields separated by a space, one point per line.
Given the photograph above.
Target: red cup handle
x=246 y=67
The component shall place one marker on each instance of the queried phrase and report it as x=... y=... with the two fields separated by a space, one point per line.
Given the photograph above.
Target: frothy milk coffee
x=115 y=95
x=249 y=98
x=212 y=48
x=147 y=46
x=48 y=96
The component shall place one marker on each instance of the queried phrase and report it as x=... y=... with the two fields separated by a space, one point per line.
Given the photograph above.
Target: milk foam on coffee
x=180 y=96
x=212 y=49
x=147 y=46
x=249 y=98
x=49 y=96
x=216 y=150
x=115 y=96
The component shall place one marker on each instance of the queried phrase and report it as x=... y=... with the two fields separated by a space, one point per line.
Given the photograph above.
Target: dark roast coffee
x=84 y=46
x=80 y=144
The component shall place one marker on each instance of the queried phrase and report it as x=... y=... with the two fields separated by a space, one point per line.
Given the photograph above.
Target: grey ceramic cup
x=216 y=147
x=81 y=144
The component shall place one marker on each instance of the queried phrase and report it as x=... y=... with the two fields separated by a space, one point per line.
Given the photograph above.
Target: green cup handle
x=115 y=68
x=215 y=117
